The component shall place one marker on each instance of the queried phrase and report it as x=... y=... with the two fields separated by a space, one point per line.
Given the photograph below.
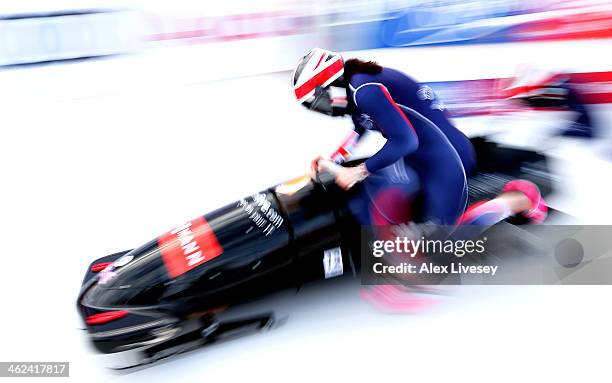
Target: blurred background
x=121 y=118
x=144 y=42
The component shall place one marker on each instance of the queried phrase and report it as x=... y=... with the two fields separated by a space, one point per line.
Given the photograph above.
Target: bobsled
x=172 y=290
x=169 y=295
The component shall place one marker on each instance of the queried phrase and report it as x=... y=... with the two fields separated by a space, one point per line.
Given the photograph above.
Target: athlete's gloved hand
x=314 y=166
x=348 y=177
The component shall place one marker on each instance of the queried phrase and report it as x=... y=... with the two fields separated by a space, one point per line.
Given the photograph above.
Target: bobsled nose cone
x=135 y=278
x=102 y=297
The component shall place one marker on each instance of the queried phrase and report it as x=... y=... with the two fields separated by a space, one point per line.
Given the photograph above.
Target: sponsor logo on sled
x=332 y=262
x=188 y=246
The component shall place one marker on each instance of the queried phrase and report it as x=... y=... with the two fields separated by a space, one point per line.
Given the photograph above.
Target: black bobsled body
x=272 y=240
x=173 y=290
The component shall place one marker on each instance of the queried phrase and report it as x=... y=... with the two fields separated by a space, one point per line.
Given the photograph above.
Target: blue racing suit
x=424 y=153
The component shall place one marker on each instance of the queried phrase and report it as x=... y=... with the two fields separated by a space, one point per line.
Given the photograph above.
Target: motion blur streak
x=121 y=119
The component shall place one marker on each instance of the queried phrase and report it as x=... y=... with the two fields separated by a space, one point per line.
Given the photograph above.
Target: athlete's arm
x=375 y=101
x=344 y=151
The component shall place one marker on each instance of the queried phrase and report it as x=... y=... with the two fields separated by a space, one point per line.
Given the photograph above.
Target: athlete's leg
x=387 y=196
x=445 y=196
x=519 y=196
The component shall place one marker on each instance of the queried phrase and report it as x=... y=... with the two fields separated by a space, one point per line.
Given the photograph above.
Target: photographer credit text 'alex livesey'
x=505 y=254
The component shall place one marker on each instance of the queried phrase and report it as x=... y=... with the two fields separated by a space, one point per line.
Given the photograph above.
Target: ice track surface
x=87 y=176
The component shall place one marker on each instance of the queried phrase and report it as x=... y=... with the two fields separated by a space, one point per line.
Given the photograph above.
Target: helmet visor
x=330 y=100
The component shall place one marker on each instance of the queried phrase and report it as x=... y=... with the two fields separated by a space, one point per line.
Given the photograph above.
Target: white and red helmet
x=313 y=76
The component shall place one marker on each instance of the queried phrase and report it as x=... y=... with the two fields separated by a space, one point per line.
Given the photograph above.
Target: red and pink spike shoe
x=539 y=208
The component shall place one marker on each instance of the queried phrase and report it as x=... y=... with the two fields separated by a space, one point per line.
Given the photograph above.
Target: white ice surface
x=87 y=176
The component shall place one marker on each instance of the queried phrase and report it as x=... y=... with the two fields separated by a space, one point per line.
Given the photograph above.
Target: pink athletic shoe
x=539 y=208
x=396 y=299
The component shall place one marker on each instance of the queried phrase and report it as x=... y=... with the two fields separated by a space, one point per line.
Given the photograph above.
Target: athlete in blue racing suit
x=419 y=135
x=424 y=154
